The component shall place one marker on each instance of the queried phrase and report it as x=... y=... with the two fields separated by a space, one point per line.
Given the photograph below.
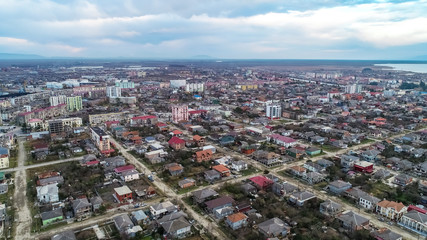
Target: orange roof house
x=225 y=172
x=204 y=155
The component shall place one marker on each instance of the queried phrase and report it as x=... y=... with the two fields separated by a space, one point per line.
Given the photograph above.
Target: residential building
x=300 y=198
x=368 y=201
x=67 y=235
x=194 y=87
x=51 y=216
x=4 y=157
x=273 y=111
x=125 y=84
x=218 y=203
x=363 y=166
x=200 y=196
x=386 y=234
x=352 y=221
x=176 y=143
x=177 y=228
x=223 y=170
x=414 y=221
x=274 y=227
x=82 y=208
x=123 y=193
x=160 y=209
x=282 y=140
x=204 y=155
x=95 y=119
x=57 y=100
x=101 y=140
x=179 y=113
x=237 y=220
x=60 y=126
x=114 y=92
x=390 y=209
x=74 y=103
x=339 y=186
x=330 y=208
x=47 y=194
x=186 y=183
x=403 y=179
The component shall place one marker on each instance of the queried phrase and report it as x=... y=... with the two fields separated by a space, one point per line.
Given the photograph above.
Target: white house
x=130 y=175
x=48 y=193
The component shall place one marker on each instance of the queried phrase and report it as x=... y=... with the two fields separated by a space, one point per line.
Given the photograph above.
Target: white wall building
x=114 y=92
x=194 y=87
x=273 y=111
x=56 y=100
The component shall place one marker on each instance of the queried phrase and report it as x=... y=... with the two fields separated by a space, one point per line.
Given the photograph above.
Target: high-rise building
x=194 y=87
x=56 y=100
x=354 y=88
x=114 y=92
x=74 y=103
x=179 y=113
x=273 y=111
x=125 y=84
x=101 y=140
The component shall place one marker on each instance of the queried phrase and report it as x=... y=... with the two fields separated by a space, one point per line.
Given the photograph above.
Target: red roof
x=420 y=210
x=197 y=112
x=176 y=140
x=108 y=151
x=94 y=162
x=160 y=124
x=124 y=168
x=176 y=132
x=144 y=117
x=112 y=122
x=261 y=181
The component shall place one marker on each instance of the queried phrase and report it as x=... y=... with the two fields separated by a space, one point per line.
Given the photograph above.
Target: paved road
x=23 y=214
x=213 y=228
x=21 y=168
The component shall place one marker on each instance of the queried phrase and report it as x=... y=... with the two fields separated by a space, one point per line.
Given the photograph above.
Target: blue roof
x=4 y=150
x=197 y=96
x=139 y=215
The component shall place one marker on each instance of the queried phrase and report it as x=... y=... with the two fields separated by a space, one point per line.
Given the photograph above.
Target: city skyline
x=220 y=29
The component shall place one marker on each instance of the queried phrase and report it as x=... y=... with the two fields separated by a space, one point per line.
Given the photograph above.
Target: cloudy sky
x=280 y=29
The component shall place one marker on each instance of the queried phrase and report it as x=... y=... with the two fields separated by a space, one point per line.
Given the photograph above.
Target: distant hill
x=9 y=56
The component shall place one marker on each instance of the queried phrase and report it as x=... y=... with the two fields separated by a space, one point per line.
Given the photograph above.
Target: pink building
x=179 y=113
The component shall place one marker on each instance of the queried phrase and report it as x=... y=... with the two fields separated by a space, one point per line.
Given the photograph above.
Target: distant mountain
x=10 y=56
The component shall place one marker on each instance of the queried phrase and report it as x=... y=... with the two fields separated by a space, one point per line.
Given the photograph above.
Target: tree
x=238 y=110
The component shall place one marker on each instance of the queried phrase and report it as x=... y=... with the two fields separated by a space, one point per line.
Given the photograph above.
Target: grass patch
x=367 y=140
x=329 y=148
x=251 y=170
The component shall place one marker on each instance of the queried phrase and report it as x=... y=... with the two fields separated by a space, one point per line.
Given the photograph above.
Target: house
x=3 y=188
x=368 y=201
x=363 y=166
x=122 y=169
x=299 y=198
x=82 y=208
x=96 y=202
x=295 y=152
x=130 y=175
x=186 y=183
x=237 y=220
x=139 y=217
x=347 y=161
x=212 y=175
x=330 y=208
x=298 y=171
x=4 y=157
x=47 y=194
x=249 y=189
x=52 y=216
x=386 y=234
x=223 y=212
x=123 y=223
x=239 y=165
x=226 y=140
x=313 y=151
x=224 y=171
x=261 y=182
x=390 y=209
x=274 y=227
x=200 y=196
x=176 y=143
x=414 y=221
x=204 y=155
x=174 y=169
x=67 y=235
x=145 y=191
x=282 y=140
x=338 y=186
x=218 y=203
x=163 y=208
x=123 y=194
x=313 y=177
x=352 y=221
x=177 y=228
x=200 y=141
x=324 y=163
x=403 y=180
x=354 y=193
x=381 y=174
x=313 y=167
x=318 y=140
x=283 y=189
x=370 y=155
